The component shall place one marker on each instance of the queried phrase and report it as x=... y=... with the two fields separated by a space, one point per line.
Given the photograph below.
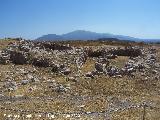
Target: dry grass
x=4 y=43
x=88 y=66
x=119 y=61
x=100 y=88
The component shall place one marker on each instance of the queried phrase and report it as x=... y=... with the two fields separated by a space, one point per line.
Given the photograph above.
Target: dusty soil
x=99 y=98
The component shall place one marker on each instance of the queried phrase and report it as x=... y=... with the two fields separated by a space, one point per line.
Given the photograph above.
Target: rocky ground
x=46 y=80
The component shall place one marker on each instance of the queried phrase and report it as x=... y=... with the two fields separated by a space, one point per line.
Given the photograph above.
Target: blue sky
x=33 y=18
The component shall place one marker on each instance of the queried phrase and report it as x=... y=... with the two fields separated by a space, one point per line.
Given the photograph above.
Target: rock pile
x=4 y=57
x=128 y=51
x=45 y=54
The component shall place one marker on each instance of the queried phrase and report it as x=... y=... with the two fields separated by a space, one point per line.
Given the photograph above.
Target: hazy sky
x=33 y=18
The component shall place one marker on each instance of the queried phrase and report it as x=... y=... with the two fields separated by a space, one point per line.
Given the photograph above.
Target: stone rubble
x=60 y=60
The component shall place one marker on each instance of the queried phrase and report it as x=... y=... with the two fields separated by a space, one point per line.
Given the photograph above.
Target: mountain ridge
x=88 y=35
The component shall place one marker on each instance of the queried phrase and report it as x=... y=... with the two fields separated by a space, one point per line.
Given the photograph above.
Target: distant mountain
x=84 y=35
x=152 y=40
x=50 y=37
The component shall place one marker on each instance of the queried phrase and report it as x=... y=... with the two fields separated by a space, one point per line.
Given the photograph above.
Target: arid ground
x=83 y=80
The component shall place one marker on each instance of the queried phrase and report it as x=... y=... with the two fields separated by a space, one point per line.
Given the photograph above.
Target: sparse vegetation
x=47 y=91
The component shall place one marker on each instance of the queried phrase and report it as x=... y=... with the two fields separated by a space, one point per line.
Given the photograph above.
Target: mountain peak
x=82 y=31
